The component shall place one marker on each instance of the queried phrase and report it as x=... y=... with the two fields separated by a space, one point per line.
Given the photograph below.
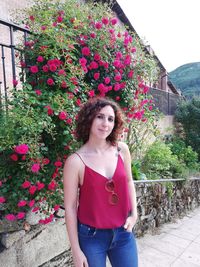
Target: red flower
x=45 y=161
x=34 y=69
x=63 y=115
x=93 y=35
x=53 y=67
x=63 y=84
x=35 y=168
x=10 y=217
x=38 y=92
x=58 y=163
x=107 y=80
x=52 y=185
x=40 y=185
x=15 y=82
x=21 y=203
x=40 y=59
x=32 y=18
x=98 y=25
x=45 y=68
x=105 y=21
x=113 y=21
x=78 y=102
x=32 y=189
x=31 y=203
x=83 y=61
x=20 y=215
x=50 y=81
x=59 y=19
x=91 y=93
x=96 y=75
x=85 y=51
x=26 y=184
x=61 y=72
x=22 y=149
x=2 y=199
x=14 y=157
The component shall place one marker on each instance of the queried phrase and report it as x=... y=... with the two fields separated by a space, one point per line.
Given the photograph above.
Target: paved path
x=175 y=245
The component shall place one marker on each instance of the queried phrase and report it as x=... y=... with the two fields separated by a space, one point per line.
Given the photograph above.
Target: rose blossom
x=32 y=189
x=2 y=199
x=21 y=203
x=34 y=69
x=20 y=215
x=35 y=168
x=50 y=81
x=85 y=51
x=10 y=217
x=14 y=157
x=62 y=115
x=22 y=149
x=26 y=184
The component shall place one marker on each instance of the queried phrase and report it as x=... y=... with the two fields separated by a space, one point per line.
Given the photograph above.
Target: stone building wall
x=48 y=246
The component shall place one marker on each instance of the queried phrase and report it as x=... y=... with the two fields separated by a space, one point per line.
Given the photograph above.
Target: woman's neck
x=97 y=147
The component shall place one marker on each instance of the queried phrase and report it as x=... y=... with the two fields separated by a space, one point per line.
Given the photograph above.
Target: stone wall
x=48 y=246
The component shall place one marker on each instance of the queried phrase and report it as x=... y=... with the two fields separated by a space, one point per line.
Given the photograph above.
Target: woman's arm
x=71 y=183
x=131 y=220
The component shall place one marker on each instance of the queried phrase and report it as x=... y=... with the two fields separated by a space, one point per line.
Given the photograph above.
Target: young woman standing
x=99 y=193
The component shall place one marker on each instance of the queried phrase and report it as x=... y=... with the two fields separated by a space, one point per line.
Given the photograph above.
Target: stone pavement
x=174 y=245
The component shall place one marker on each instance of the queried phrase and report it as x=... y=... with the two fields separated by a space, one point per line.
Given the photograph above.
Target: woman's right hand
x=79 y=259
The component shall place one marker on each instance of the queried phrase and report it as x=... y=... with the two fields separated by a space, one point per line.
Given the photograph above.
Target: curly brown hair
x=89 y=111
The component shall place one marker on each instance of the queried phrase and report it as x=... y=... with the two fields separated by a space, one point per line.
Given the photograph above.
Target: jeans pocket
x=86 y=230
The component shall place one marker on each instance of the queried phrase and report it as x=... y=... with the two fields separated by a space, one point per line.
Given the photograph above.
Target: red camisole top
x=95 y=208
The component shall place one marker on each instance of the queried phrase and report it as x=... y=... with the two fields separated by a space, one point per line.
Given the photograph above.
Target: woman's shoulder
x=123 y=147
x=73 y=160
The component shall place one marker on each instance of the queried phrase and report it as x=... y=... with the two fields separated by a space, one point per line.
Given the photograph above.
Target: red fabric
x=94 y=208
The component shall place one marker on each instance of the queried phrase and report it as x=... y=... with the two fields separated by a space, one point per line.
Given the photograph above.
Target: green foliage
x=187 y=79
x=184 y=153
x=188 y=114
x=160 y=163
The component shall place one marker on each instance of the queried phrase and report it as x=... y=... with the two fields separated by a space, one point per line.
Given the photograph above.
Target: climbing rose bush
x=75 y=52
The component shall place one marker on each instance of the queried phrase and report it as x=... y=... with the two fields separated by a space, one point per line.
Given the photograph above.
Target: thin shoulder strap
x=79 y=157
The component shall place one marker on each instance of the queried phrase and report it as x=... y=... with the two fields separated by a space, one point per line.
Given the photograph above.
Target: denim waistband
x=100 y=229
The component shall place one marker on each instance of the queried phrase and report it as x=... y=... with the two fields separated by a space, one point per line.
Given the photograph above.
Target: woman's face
x=103 y=123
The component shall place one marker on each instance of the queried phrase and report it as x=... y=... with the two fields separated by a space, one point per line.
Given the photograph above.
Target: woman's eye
x=99 y=116
x=111 y=119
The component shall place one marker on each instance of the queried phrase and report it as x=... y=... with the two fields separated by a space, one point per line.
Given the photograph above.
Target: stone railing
x=47 y=246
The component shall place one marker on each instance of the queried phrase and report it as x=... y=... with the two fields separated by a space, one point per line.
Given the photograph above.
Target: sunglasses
x=113 y=197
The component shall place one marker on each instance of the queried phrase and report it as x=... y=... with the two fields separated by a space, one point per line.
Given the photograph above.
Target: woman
x=99 y=193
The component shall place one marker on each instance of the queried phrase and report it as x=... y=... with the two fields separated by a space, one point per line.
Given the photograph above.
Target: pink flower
x=15 y=82
x=26 y=184
x=40 y=185
x=130 y=74
x=38 y=92
x=20 y=215
x=105 y=21
x=40 y=59
x=32 y=189
x=85 y=51
x=78 y=102
x=2 y=199
x=93 y=65
x=96 y=75
x=83 y=61
x=50 y=81
x=34 y=69
x=43 y=28
x=21 y=203
x=117 y=77
x=63 y=115
x=91 y=93
x=56 y=207
x=31 y=203
x=117 y=63
x=45 y=161
x=35 y=209
x=61 y=72
x=69 y=121
x=35 y=168
x=63 y=84
x=146 y=89
x=150 y=108
x=92 y=35
x=22 y=149
x=107 y=80
x=10 y=217
x=97 y=57
x=58 y=164
x=59 y=19
x=1 y=183
x=117 y=87
x=53 y=67
x=14 y=157
x=98 y=25
x=45 y=68
x=113 y=21
x=52 y=185
x=32 y=18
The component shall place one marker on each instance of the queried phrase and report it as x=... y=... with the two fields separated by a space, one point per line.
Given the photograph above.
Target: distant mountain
x=187 y=79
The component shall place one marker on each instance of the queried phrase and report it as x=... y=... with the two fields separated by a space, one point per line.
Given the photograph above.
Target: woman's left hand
x=130 y=222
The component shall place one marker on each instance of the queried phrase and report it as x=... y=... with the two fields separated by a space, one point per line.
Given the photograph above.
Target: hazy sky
x=170 y=27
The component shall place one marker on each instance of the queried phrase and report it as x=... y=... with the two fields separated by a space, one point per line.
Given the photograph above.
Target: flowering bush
x=76 y=51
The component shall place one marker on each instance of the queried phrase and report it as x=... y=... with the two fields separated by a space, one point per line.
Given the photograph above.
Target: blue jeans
x=118 y=244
